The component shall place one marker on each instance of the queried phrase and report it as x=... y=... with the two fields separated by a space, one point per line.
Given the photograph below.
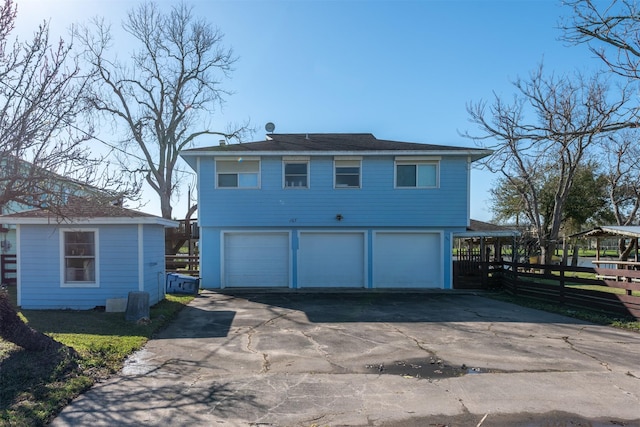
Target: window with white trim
x=416 y=174
x=296 y=174
x=237 y=173
x=79 y=257
x=347 y=173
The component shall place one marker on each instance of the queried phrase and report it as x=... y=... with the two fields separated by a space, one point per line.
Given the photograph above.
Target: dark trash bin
x=137 y=306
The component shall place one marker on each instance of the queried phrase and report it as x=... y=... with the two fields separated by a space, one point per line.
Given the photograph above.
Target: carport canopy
x=628 y=231
x=608 y=231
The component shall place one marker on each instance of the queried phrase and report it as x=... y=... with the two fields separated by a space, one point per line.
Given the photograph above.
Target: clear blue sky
x=402 y=70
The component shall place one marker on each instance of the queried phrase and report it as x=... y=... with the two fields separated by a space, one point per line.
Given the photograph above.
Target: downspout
x=140 y=258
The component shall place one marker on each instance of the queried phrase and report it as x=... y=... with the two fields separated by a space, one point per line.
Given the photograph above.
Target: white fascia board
x=475 y=154
x=93 y=221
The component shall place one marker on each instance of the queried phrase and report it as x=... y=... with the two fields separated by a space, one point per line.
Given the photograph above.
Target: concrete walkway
x=370 y=360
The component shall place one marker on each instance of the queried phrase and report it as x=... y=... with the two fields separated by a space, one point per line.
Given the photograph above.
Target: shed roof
x=632 y=231
x=85 y=210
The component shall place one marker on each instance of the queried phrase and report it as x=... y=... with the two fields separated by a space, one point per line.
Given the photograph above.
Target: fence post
x=561 y=284
x=514 y=276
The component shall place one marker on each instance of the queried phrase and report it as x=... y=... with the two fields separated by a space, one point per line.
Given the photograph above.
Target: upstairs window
x=416 y=174
x=238 y=173
x=296 y=174
x=347 y=173
x=80 y=258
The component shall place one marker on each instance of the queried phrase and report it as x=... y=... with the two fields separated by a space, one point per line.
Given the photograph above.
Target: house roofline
x=475 y=154
x=55 y=220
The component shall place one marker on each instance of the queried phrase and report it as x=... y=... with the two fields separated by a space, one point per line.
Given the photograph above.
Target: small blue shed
x=87 y=253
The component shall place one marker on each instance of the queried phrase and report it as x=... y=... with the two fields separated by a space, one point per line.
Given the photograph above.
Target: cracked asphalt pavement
x=370 y=359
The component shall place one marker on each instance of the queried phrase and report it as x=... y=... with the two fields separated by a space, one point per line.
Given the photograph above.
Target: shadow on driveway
x=371 y=307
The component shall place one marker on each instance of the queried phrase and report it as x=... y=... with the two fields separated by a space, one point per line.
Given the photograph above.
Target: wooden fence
x=553 y=283
x=183 y=264
x=8 y=269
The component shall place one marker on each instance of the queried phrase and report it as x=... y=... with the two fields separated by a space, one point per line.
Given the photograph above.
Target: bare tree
x=166 y=95
x=41 y=149
x=40 y=101
x=622 y=172
x=569 y=116
x=611 y=31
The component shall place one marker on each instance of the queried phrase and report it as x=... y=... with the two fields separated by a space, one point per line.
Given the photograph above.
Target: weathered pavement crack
x=321 y=351
x=414 y=339
x=266 y=364
x=572 y=346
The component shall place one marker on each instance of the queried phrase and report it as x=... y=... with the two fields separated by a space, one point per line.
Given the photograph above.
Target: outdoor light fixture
x=339 y=217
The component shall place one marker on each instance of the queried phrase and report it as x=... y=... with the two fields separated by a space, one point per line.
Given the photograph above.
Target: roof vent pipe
x=222 y=142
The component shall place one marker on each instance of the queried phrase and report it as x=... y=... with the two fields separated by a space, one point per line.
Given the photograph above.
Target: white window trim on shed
x=63 y=269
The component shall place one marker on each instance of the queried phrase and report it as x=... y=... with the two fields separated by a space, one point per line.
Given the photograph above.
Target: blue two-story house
x=330 y=211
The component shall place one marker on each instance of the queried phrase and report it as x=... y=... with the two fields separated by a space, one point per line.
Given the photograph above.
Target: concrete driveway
x=282 y=359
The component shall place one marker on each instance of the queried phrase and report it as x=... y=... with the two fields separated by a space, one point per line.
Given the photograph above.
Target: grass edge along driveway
x=36 y=386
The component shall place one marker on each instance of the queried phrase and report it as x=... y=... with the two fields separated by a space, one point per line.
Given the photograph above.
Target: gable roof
x=332 y=143
x=631 y=231
x=84 y=210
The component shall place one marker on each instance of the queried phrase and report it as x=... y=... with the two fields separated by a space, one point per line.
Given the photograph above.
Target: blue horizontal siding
x=210 y=266
x=39 y=260
x=376 y=204
x=153 y=262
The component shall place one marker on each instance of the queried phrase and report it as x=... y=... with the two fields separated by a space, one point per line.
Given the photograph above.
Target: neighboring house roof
x=313 y=143
x=631 y=231
x=485 y=229
x=80 y=210
x=41 y=182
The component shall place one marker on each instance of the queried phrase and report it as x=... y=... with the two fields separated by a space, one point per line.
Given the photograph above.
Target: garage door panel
x=256 y=260
x=331 y=260
x=407 y=260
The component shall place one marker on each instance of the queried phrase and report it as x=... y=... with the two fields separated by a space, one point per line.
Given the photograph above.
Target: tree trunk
x=14 y=330
x=576 y=252
x=625 y=250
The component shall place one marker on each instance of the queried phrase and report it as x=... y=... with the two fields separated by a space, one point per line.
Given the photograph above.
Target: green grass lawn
x=37 y=385
x=569 y=284
x=588 y=315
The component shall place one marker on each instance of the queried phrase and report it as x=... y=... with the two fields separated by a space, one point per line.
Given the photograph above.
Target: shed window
x=80 y=257
x=238 y=173
x=296 y=175
x=416 y=174
x=347 y=173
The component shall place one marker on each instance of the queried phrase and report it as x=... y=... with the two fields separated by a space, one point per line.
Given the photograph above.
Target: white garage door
x=256 y=260
x=331 y=260
x=407 y=260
